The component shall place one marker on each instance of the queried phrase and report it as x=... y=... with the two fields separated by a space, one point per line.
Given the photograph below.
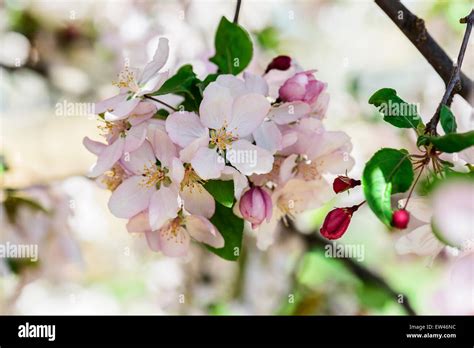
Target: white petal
x=240 y=181
x=174 y=243
x=109 y=104
x=268 y=137
x=289 y=112
x=135 y=137
x=164 y=148
x=122 y=110
x=249 y=159
x=207 y=163
x=139 y=159
x=176 y=171
x=234 y=85
x=164 y=205
x=186 y=155
x=142 y=112
x=93 y=146
x=153 y=84
x=107 y=157
x=255 y=84
x=130 y=198
x=198 y=201
x=185 y=127
x=420 y=241
x=248 y=112
x=216 y=107
x=159 y=59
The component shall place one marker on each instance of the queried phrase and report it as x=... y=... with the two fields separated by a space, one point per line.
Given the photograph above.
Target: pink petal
x=216 y=107
x=110 y=103
x=122 y=110
x=174 y=243
x=135 y=137
x=108 y=156
x=130 y=198
x=164 y=148
x=255 y=84
x=249 y=159
x=176 y=171
x=153 y=84
x=207 y=163
x=289 y=112
x=164 y=205
x=202 y=230
x=139 y=159
x=142 y=112
x=93 y=146
x=248 y=112
x=139 y=223
x=185 y=127
x=187 y=154
x=240 y=181
x=198 y=201
x=153 y=240
x=268 y=137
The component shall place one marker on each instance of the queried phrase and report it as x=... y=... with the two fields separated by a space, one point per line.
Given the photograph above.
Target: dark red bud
x=343 y=183
x=337 y=221
x=400 y=219
x=279 y=63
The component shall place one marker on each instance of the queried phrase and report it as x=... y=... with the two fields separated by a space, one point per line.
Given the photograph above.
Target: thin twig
x=455 y=80
x=415 y=30
x=237 y=11
x=161 y=102
x=314 y=240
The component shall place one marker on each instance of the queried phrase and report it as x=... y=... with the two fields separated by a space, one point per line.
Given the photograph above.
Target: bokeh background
x=57 y=52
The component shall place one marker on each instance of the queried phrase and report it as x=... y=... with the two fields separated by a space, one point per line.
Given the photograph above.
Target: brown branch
x=455 y=80
x=367 y=276
x=237 y=11
x=415 y=30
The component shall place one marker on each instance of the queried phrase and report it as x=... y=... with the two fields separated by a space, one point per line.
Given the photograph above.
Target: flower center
x=155 y=175
x=221 y=138
x=113 y=177
x=307 y=169
x=126 y=79
x=114 y=127
x=191 y=180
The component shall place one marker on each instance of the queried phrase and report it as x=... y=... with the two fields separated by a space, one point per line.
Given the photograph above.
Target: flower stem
x=413 y=186
x=161 y=102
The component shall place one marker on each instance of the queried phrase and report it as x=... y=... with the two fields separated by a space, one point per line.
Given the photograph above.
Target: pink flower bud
x=279 y=63
x=337 y=221
x=302 y=86
x=343 y=183
x=256 y=206
x=400 y=219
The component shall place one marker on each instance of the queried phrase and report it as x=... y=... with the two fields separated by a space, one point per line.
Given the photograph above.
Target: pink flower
x=154 y=183
x=122 y=137
x=303 y=86
x=316 y=151
x=134 y=85
x=279 y=63
x=336 y=222
x=174 y=237
x=256 y=206
x=229 y=113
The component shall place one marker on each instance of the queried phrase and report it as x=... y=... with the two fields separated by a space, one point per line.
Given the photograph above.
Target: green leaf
x=231 y=227
x=233 y=48
x=161 y=114
x=448 y=122
x=453 y=142
x=389 y=171
x=222 y=191
x=395 y=111
x=210 y=78
x=185 y=84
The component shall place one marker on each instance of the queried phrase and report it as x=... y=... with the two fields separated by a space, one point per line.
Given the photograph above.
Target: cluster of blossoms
x=264 y=133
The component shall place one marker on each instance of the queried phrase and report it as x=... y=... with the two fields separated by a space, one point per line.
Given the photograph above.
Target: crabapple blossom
x=256 y=206
x=173 y=238
x=134 y=85
x=228 y=114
